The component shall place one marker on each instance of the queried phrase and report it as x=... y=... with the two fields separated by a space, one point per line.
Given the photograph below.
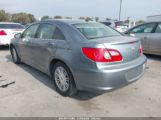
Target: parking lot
x=33 y=94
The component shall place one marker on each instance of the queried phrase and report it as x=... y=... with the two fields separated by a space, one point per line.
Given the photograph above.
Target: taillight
x=2 y=32
x=102 y=54
x=140 y=50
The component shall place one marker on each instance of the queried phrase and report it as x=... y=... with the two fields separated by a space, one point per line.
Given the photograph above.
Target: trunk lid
x=127 y=46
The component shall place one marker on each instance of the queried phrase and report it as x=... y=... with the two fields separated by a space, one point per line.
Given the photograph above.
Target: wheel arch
x=54 y=61
x=17 y=49
x=11 y=45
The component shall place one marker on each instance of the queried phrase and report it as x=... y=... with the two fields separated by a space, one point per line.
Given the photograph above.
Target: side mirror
x=17 y=36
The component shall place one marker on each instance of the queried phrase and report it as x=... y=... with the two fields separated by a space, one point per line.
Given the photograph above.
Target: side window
x=58 y=35
x=158 y=29
x=46 y=31
x=146 y=28
x=30 y=32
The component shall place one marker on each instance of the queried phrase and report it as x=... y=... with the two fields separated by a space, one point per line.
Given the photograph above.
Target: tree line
x=67 y=17
x=23 y=18
x=26 y=18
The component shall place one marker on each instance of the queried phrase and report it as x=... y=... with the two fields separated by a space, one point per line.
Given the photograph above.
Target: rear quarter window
x=58 y=35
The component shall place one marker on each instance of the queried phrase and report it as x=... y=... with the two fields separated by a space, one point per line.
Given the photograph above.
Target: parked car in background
x=118 y=25
x=7 y=32
x=150 y=35
x=80 y=55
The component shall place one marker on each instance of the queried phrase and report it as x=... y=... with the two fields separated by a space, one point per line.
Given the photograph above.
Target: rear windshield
x=96 y=30
x=11 y=26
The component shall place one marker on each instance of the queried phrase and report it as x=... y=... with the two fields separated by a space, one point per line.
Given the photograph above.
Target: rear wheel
x=15 y=56
x=63 y=79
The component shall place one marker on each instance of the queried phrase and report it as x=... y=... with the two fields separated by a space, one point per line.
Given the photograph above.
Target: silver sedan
x=150 y=35
x=80 y=55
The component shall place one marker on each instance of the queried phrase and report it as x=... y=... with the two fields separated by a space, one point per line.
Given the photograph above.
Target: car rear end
x=109 y=62
x=7 y=32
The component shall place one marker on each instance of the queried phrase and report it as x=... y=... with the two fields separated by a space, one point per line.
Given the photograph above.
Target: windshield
x=11 y=26
x=96 y=30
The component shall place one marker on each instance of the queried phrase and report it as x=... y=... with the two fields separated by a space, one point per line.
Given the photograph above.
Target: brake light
x=2 y=32
x=141 y=50
x=102 y=54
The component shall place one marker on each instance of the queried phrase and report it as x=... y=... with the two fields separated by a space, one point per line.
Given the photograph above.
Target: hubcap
x=61 y=78
x=14 y=54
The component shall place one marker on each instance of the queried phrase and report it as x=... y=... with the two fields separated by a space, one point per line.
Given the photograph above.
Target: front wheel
x=63 y=79
x=15 y=56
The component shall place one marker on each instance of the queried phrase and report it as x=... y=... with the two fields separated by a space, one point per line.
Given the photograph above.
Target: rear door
x=25 y=44
x=43 y=45
x=144 y=32
x=155 y=40
x=49 y=38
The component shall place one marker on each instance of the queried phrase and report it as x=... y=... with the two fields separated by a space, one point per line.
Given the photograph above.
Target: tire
x=63 y=77
x=16 y=59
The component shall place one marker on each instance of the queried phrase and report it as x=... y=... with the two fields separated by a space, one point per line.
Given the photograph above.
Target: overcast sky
x=135 y=9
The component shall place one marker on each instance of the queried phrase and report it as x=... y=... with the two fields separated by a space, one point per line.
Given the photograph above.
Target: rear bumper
x=111 y=77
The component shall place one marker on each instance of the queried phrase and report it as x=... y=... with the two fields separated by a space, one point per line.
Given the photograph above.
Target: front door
x=25 y=43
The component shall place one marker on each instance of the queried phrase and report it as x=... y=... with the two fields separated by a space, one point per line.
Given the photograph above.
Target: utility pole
x=120 y=10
